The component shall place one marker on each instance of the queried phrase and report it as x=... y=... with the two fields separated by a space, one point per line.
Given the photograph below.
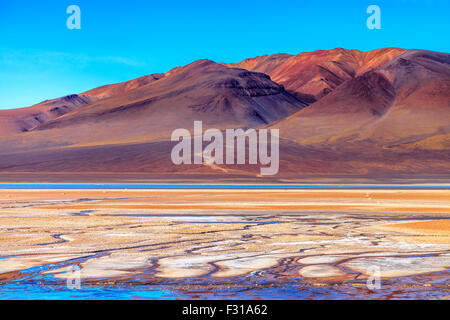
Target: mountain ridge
x=339 y=111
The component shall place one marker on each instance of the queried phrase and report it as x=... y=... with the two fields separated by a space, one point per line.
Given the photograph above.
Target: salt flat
x=328 y=238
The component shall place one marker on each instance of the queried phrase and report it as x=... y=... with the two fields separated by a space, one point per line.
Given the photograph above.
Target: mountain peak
x=383 y=110
x=312 y=75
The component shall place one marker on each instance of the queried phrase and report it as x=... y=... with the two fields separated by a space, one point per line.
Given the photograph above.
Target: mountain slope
x=16 y=121
x=312 y=75
x=25 y=119
x=116 y=89
x=219 y=96
x=388 y=121
x=406 y=100
x=383 y=113
x=356 y=103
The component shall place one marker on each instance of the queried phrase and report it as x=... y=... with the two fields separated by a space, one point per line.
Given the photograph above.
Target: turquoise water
x=257 y=285
x=14 y=291
x=68 y=186
x=34 y=284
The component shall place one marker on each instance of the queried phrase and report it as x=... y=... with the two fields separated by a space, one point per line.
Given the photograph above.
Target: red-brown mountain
x=400 y=104
x=312 y=75
x=21 y=120
x=345 y=113
x=390 y=120
x=142 y=111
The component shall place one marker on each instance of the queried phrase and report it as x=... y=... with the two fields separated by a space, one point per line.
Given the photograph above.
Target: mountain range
x=341 y=113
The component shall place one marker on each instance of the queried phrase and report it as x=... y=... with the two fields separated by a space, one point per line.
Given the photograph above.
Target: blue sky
x=40 y=58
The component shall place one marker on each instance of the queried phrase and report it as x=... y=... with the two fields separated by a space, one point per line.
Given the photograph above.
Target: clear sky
x=40 y=58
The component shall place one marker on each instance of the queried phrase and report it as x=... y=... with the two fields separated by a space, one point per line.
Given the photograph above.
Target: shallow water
x=258 y=285
x=128 y=251
x=39 y=291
